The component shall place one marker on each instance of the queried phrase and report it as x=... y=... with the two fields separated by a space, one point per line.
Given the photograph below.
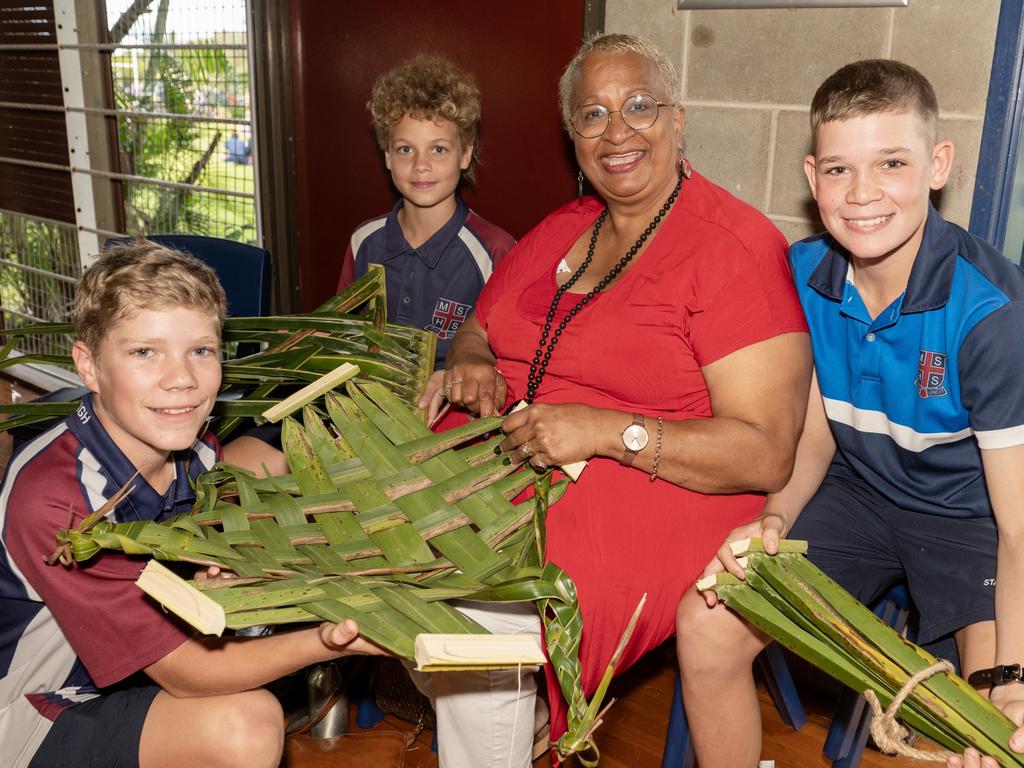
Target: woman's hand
x=768 y=527
x=475 y=384
x=472 y=380
x=553 y=435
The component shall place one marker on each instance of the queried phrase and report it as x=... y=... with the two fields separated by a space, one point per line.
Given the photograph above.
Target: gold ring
x=446 y=390
x=526 y=450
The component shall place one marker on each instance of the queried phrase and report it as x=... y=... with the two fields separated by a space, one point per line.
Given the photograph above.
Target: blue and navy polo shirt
x=913 y=394
x=435 y=286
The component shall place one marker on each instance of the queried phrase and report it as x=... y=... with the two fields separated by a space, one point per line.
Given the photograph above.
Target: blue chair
x=772 y=664
x=244 y=270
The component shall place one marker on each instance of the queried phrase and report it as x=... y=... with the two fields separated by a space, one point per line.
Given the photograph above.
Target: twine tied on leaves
x=889 y=735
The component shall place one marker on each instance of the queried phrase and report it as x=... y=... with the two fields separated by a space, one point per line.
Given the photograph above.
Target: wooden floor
x=633 y=734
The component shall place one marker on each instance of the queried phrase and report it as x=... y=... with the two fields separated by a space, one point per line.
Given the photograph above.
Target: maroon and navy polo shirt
x=65 y=633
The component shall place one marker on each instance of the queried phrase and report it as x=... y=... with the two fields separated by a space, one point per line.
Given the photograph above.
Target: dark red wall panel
x=516 y=51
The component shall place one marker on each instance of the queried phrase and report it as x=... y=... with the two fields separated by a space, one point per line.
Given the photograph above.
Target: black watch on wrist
x=1001 y=674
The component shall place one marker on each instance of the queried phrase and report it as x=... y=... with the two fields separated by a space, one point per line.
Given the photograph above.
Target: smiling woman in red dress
x=655 y=331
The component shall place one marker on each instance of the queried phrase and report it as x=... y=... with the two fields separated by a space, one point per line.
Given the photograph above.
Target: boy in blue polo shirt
x=437 y=253
x=911 y=464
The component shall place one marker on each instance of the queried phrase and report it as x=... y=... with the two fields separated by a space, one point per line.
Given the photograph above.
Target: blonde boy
x=72 y=642
x=437 y=253
x=911 y=463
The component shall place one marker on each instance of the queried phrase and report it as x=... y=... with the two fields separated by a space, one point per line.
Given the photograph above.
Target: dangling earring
x=579 y=184
x=684 y=166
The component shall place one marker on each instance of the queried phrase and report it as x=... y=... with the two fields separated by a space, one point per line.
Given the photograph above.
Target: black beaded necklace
x=545 y=346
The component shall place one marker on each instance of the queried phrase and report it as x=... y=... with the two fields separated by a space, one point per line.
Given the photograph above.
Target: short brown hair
x=427 y=87
x=872 y=86
x=142 y=275
x=612 y=43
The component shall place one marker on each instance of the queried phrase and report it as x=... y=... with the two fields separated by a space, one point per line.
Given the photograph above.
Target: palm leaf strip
x=788 y=598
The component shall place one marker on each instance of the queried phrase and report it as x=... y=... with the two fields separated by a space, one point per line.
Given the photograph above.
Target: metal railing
x=184 y=159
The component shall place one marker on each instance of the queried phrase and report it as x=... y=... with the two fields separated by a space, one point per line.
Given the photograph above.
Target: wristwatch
x=1001 y=674
x=634 y=438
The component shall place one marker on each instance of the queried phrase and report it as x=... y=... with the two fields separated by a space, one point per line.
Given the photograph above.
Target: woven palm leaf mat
x=380 y=521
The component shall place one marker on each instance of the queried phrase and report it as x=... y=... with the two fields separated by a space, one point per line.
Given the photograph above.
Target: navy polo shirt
x=111 y=470
x=913 y=394
x=435 y=286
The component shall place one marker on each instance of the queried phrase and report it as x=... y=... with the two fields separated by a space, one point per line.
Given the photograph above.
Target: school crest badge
x=447 y=317
x=931 y=374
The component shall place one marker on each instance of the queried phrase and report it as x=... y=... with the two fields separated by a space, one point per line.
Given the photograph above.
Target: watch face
x=634 y=437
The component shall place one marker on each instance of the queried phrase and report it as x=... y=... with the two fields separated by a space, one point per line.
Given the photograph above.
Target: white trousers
x=485 y=719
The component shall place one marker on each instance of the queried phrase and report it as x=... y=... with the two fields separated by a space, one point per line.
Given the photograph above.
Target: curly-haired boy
x=436 y=252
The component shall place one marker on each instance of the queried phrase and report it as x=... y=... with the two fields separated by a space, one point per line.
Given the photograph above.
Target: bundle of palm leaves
x=788 y=598
x=380 y=521
x=295 y=350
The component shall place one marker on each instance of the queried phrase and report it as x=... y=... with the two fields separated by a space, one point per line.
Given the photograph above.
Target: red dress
x=712 y=281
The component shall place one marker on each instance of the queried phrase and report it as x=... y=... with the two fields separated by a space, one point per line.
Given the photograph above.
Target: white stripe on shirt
x=478 y=252
x=1008 y=437
x=364 y=232
x=876 y=422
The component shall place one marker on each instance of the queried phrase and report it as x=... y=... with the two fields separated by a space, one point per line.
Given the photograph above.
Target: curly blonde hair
x=427 y=87
x=142 y=275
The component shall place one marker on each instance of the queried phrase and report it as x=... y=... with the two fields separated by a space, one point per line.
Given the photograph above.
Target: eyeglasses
x=638 y=112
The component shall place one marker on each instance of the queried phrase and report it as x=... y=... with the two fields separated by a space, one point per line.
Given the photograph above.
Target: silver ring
x=446 y=390
x=526 y=450
x=540 y=466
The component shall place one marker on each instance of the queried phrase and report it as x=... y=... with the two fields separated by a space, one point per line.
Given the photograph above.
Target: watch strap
x=1001 y=674
x=630 y=454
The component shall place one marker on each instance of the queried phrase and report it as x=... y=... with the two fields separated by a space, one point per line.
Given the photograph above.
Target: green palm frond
x=788 y=598
x=380 y=521
x=297 y=349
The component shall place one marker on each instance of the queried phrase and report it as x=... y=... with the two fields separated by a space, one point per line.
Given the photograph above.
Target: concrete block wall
x=747 y=78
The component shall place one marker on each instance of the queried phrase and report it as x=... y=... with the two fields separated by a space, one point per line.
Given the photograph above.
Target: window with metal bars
x=39 y=261
x=180 y=74
x=117 y=117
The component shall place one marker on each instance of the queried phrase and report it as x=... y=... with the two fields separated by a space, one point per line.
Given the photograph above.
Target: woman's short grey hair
x=613 y=43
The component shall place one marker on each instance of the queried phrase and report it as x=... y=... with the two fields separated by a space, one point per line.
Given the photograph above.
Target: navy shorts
x=105 y=731
x=867 y=544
